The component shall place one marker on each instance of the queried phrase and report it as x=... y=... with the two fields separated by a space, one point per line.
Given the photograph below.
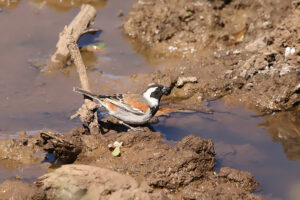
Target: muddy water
x=31 y=100
x=242 y=141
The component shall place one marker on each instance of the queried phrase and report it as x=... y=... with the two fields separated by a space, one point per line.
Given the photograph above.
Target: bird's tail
x=84 y=92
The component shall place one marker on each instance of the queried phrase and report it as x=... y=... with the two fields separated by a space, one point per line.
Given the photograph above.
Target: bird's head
x=154 y=92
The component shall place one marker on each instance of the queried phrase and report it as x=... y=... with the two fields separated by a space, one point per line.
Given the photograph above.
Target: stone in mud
x=183 y=80
x=179 y=94
x=87 y=182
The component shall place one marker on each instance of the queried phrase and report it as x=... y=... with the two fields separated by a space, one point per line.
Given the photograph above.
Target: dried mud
x=245 y=49
x=147 y=168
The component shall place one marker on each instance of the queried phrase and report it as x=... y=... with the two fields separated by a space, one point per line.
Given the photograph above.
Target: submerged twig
x=66 y=47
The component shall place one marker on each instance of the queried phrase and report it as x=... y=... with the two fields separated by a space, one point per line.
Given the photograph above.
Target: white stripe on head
x=147 y=95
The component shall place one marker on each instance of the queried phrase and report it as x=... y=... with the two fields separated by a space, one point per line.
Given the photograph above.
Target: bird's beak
x=166 y=90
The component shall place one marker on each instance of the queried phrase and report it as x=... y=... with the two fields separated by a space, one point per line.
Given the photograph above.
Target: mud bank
x=249 y=50
x=147 y=167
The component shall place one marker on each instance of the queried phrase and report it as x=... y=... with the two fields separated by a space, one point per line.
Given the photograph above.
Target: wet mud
x=149 y=165
x=247 y=49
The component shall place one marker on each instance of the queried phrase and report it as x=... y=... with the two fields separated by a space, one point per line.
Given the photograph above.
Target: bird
x=130 y=109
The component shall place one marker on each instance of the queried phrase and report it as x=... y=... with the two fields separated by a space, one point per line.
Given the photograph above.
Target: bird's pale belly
x=131 y=118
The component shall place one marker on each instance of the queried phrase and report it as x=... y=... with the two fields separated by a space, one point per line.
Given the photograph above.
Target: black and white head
x=153 y=94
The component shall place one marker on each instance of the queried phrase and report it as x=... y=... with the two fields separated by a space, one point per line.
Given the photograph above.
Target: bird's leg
x=130 y=127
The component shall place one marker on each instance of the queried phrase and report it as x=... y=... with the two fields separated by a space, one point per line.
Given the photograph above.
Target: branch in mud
x=90 y=30
x=79 y=26
x=66 y=47
x=88 y=111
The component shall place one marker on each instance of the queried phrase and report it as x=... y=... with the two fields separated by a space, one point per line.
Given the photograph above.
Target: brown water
x=266 y=146
x=242 y=141
x=31 y=100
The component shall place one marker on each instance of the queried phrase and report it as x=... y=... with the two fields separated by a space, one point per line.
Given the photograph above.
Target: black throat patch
x=154 y=110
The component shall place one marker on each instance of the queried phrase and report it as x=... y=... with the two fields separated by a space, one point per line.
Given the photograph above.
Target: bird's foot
x=132 y=128
x=137 y=129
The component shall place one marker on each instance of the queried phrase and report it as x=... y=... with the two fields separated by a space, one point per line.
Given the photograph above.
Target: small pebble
x=289 y=51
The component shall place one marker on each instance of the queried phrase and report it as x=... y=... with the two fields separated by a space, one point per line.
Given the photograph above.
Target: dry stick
x=81 y=69
x=79 y=25
x=49 y=134
x=76 y=57
x=90 y=30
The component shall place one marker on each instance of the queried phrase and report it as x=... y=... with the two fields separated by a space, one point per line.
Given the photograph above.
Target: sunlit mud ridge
x=150 y=168
x=252 y=54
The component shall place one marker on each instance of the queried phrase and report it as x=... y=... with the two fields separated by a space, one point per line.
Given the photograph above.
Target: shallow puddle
x=15 y=171
x=243 y=141
x=31 y=100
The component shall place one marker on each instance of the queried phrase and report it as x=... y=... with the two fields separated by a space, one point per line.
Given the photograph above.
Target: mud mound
x=249 y=49
x=88 y=182
x=272 y=74
x=161 y=165
x=190 y=26
x=144 y=156
x=146 y=168
x=228 y=184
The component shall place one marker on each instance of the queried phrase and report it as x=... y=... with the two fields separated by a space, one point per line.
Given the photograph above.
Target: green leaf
x=96 y=47
x=116 y=152
x=101 y=46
